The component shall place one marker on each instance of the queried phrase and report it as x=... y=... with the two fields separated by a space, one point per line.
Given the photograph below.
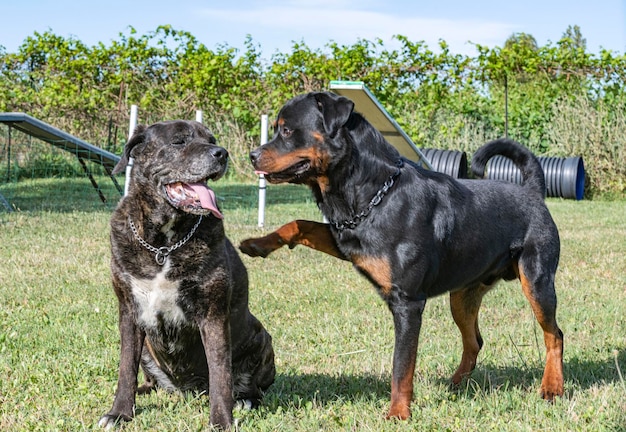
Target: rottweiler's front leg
x=407 y=319
x=315 y=235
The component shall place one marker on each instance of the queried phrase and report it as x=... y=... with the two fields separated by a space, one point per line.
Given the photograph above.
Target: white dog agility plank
x=367 y=105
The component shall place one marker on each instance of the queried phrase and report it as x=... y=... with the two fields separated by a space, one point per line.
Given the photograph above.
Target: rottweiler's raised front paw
x=260 y=246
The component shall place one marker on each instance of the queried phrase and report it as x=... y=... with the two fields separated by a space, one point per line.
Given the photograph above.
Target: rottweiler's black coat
x=415 y=233
x=181 y=286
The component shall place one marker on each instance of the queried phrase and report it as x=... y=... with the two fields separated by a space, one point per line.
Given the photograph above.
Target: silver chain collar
x=356 y=220
x=160 y=254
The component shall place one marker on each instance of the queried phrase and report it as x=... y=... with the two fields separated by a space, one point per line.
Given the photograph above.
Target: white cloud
x=299 y=20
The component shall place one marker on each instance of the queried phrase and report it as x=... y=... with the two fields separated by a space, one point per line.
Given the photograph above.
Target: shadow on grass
x=297 y=392
x=301 y=390
x=61 y=195
x=78 y=194
x=586 y=374
x=579 y=374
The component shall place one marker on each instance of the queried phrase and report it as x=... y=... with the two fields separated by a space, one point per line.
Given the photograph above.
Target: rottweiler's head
x=173 y=161
x=306 y=139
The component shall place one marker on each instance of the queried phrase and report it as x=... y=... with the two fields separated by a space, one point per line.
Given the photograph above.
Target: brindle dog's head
x=307 y=139
x=173 y=160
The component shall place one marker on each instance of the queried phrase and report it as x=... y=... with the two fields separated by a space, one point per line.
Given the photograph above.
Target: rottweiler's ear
x=137 y=138
x=335 y=109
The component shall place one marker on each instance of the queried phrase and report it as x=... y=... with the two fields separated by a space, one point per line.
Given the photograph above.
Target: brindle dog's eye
x=286 y=132
x=179 y=139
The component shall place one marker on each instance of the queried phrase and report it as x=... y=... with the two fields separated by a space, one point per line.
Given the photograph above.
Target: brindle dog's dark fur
x=423 y=235
x=186 y=321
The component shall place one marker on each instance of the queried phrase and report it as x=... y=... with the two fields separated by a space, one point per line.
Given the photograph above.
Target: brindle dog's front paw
x=110 y=421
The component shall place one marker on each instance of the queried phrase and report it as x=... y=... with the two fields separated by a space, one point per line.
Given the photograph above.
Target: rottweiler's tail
x=532 y=173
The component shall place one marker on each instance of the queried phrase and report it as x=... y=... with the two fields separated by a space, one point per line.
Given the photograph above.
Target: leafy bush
x=596 y=132
x=441 y=99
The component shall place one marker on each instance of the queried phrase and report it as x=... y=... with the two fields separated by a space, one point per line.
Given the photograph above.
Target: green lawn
x=333 y=336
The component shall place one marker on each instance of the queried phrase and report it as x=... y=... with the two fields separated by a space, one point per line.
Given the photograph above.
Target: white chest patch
x=156 y=300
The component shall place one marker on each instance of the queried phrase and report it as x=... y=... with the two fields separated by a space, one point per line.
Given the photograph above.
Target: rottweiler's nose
x=254 y=155
x=219 y=153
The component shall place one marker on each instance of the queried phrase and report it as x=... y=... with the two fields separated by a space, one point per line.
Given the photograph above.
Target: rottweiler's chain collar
x=356 y=220
x=160 y=254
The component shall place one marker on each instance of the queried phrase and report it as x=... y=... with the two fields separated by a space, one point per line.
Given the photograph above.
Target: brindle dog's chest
x=157 y=302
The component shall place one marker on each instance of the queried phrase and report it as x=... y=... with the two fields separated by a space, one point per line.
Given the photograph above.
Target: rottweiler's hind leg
x=465 y=305
x=539 y=291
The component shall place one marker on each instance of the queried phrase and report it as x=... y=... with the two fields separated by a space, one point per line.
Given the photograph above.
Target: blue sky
x=275 y=24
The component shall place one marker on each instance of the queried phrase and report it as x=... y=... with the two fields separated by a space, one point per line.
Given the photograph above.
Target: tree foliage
x=440 y=98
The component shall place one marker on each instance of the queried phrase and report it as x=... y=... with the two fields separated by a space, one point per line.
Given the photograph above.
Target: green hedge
x=560 y=98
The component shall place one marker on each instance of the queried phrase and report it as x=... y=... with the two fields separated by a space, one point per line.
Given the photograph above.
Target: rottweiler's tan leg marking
x=544 y=308
x=465 y=305
x=402 y=393
x=315 y=235
x=407 y=319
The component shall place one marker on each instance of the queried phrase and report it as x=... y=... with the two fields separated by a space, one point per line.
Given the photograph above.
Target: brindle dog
x=181 y=286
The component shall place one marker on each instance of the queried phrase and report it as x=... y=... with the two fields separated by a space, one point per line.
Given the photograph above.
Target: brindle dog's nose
x=219 y=153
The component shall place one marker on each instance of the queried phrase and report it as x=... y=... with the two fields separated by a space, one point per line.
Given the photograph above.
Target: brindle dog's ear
x=335 y=109
x=137 y=138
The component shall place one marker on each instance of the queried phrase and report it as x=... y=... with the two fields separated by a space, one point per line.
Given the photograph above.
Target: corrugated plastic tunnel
x=565 y=177
x=451 y=162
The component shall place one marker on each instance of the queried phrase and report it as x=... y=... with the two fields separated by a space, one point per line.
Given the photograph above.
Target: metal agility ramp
x=84 y=151
x=368 y=106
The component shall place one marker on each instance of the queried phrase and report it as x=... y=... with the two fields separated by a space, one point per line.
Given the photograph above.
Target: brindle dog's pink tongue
x=207 y=198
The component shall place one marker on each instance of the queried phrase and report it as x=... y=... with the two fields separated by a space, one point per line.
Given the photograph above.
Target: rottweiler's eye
x=286 y=132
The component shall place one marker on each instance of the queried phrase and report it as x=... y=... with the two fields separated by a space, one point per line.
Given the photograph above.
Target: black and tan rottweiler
x=181 y=286
x=415 y=233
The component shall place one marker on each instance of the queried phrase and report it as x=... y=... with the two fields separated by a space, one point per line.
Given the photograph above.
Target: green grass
x=333 y=336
